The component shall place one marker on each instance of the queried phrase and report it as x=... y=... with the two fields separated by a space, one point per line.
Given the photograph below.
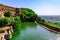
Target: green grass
x=53 y=24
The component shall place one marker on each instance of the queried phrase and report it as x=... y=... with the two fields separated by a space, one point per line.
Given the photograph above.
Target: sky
x=41 y=7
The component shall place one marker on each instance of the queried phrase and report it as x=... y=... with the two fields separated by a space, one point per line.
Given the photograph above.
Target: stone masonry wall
x=4 y=8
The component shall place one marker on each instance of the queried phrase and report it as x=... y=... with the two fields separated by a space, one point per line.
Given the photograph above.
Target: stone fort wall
x=4 y=8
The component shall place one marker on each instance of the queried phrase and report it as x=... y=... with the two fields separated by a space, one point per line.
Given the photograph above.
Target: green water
x=32 y=31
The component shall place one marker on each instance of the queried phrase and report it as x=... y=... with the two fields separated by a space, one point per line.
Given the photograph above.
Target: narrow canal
x=32 y=31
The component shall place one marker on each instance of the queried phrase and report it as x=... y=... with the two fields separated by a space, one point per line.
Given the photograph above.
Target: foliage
x=41 y=20
x=3 y=22
x=17 y=18
x=27 y=15
x=7 y=14
x=10 y=19
x=16 y=23
x=56 y=25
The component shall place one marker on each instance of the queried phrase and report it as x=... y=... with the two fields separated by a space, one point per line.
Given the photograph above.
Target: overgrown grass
x=57 y=25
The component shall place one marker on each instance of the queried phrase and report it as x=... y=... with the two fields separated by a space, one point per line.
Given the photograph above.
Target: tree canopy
x=27 y=14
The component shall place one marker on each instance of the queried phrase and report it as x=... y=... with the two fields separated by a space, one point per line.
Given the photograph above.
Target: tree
x=27 y=15
x=7 y=14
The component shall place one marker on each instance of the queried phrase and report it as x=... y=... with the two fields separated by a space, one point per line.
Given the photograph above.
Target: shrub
x=16 y=23
x=7 y=14
x=3 y=22
x=17 y=18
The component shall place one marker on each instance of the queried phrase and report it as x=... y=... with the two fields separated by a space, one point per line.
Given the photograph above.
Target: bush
x=10 y=19
x=16 y=23
x=3 y=22
x=7 y=14
x=17 y=18
x=42 y=20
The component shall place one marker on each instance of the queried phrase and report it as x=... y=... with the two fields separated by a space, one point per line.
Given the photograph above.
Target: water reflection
x=32 y=31
x=23 y=26
x=56 y=38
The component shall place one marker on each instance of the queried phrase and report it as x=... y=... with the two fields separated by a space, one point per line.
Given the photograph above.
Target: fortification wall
x=4 y=8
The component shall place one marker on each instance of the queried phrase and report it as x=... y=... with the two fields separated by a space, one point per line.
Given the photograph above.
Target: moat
x=32 y=31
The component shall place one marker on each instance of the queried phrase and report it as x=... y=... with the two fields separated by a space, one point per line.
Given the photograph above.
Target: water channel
x=33 y=31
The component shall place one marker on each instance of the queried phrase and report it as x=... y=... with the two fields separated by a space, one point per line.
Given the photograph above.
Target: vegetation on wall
x=16 y=23
x=7 y=14
x=3 y=22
